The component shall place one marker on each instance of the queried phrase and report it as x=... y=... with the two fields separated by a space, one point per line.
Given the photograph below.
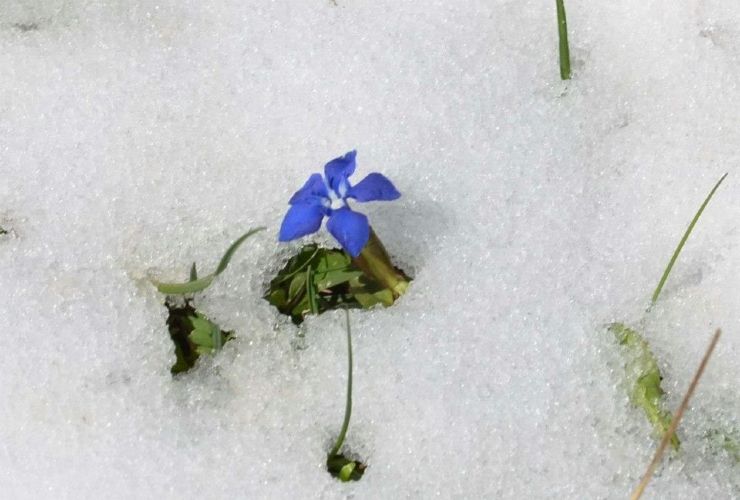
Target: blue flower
x=326 y=196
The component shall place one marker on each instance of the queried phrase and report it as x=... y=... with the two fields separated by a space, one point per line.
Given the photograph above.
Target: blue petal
x=374 y=187
x=311 y=192
x=301 y=219
x=338 y=170
x=351 y=230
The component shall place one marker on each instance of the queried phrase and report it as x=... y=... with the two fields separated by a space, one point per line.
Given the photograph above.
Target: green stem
x=563 y=37
x=681 y=243
x=376 y=264
x=348 y=405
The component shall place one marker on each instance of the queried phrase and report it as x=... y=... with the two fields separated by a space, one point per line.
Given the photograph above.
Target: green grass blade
x=311 y=291
x=681 y=243
x=233 y=248
x=184 y=288
x=348 y=404
x=196 y=284
x=563 y=37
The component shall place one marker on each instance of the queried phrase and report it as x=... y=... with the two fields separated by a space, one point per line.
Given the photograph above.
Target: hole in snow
x=192 y=333
x=316 y=280
x=344 y=468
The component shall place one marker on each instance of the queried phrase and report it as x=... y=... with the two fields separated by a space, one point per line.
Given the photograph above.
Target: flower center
x=335 y=201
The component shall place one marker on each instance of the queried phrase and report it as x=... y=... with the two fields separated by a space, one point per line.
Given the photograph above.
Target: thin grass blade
x=681 y=243
x=233 y=248
x=196 y=284
x=563 y=38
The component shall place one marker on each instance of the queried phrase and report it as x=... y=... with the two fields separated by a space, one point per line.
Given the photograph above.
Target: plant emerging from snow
x=326 y=196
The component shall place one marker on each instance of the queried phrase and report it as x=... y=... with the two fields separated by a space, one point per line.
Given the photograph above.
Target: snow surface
x=137 y=136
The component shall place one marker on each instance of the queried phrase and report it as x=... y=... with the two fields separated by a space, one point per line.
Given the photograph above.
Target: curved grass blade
x=184 y=288
x=681 y=243
x=197 y=285
x=233 y=248
x=563 y=41
x=644 y=377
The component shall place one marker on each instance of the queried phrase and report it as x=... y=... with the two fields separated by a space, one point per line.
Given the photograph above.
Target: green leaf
x=301 y=307
x=644 y=378
x=278 y=298
x=202 y=333
x=345 y=473
x=334 y=278
x=297 y=286
x=333 y=260
x=198 y=285
x=207 y=336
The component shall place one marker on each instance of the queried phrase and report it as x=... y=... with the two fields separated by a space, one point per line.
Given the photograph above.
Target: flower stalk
x=348 y=402
x=375 y=262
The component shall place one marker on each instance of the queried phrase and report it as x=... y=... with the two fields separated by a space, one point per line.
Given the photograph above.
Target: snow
x=139 y=136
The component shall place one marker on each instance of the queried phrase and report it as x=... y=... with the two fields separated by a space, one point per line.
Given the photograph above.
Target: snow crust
x=137 y=136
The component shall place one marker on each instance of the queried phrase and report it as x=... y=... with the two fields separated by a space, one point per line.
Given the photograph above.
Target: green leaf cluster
x=321 y=279
x=644 y=376
x=193 y=335
x=192 y=332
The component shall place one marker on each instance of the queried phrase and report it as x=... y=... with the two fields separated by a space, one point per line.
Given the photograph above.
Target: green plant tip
x=346 y=472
